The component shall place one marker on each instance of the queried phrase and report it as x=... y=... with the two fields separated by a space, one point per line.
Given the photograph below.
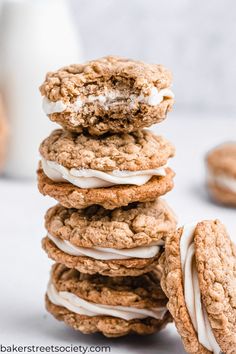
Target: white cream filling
x=109 y=98
x=222 y=181
x=192 y=293
x=82 y=307
x=103 y=253
x=155 y=97
x=88 y=178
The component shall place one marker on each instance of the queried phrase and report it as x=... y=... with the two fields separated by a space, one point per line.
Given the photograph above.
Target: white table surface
x=24 y=266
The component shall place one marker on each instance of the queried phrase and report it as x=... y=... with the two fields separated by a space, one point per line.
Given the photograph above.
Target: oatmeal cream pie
x=114 y=306
x=124 y=241
x=79 y=170
x=221 y=173
x=111 y=94
x=199 y=278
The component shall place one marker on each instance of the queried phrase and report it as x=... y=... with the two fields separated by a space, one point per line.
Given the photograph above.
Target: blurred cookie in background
x=221 y=173
x=3 y=135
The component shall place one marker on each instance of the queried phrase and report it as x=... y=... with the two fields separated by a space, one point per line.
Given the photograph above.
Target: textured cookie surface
x=216 y=265
x=215 y=257
x=172 y=284
x=140 y=292
x=141 y=150
x=70 y=80
x=71 y=196
x=120 y=79
x=222 y=159
x=135 y=225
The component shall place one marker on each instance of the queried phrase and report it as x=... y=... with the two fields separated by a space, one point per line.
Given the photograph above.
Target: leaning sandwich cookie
x=199 y=279
x=126 y=241
x=111 y=94
x=221 y=173
x=80 y=170
x=113 y=306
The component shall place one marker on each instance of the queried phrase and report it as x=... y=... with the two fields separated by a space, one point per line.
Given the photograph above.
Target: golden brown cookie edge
x=216 y=263
x=71 y=196
x=172 y=285
x=112 y=268
x=107 y=325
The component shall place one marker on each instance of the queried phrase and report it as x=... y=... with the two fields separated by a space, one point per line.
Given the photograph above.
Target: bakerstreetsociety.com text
x=82 y=349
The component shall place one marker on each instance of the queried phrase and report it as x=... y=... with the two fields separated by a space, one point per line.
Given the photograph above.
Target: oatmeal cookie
x=113 y=306
x=111 y=94
x=141 y=150
x=124 y=241
x=113 y=197
x=199 y=278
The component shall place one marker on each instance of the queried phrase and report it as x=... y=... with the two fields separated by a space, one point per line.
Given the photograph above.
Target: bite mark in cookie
x=109 y=94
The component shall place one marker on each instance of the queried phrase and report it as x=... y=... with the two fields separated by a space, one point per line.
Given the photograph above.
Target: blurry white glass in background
x=36 y=36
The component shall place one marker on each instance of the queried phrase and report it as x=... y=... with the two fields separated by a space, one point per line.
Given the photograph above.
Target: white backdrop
x=196 y=39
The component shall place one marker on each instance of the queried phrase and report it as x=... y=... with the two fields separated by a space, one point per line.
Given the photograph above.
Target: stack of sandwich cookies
x=108 y=232
x=198 y=277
